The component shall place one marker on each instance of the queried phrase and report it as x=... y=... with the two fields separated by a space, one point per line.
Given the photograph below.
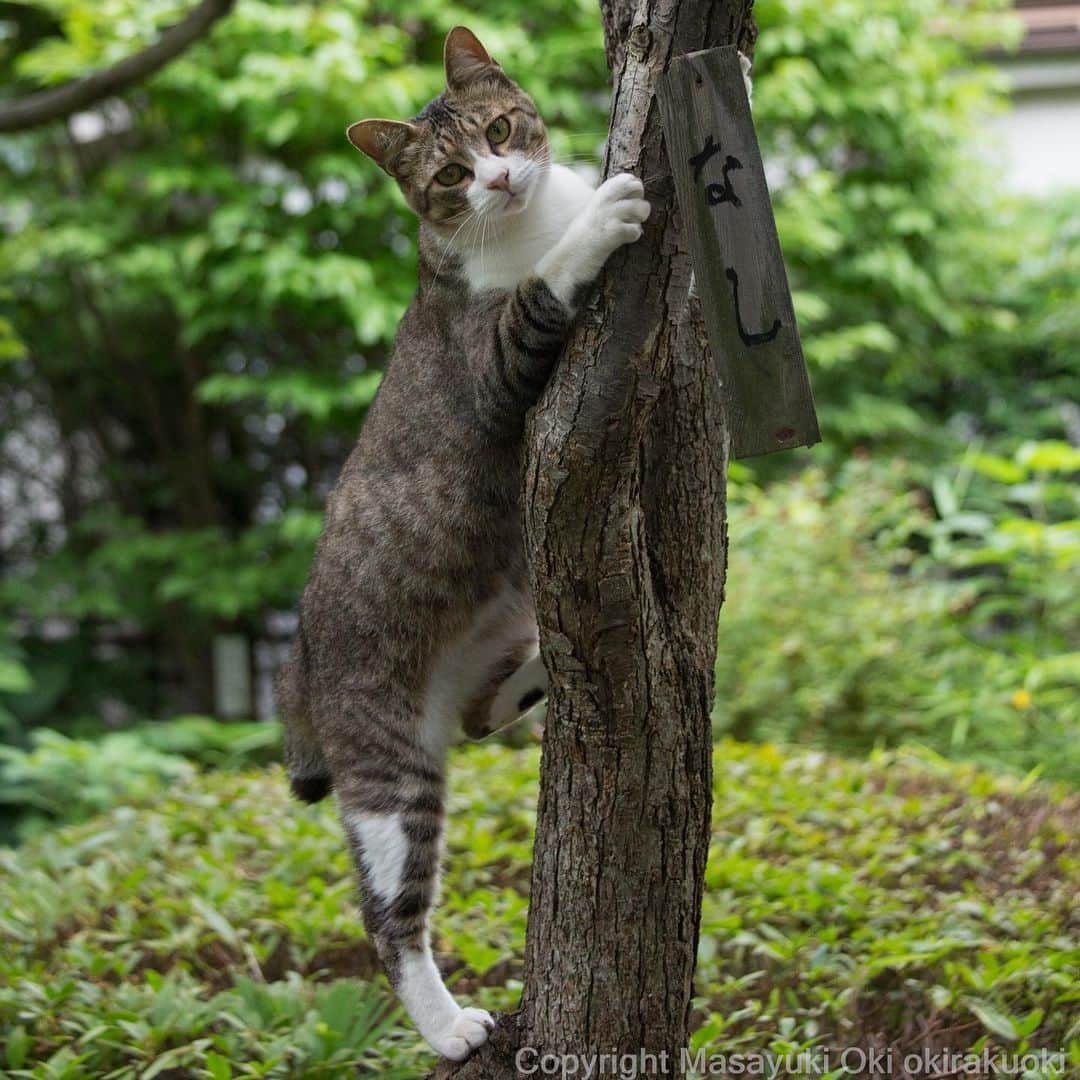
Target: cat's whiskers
x=576 y=157
x=448 y=246
x=470 y=216
x=470 y=237
x=579 y=158
x=483 y=237
x=541 y=156
x=492 y=237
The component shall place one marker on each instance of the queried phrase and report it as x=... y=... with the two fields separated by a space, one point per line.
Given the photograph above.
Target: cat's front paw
x=611 y=218
x=469 y=1029
x=617 y=211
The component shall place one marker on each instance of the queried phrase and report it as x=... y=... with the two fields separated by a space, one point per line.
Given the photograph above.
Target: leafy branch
x=60 y=102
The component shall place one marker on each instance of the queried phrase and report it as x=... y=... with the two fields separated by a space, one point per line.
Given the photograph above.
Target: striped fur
x=417 y=616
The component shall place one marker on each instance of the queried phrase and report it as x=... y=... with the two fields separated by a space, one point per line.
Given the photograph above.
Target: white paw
x=468 y=1031
x=617 y=210
x=612 y=217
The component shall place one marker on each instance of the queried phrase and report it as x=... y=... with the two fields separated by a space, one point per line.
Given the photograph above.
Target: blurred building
x=1042 y=130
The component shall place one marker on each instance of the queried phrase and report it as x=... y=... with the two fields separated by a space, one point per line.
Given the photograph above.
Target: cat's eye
x=451 y=174
x=498 y=131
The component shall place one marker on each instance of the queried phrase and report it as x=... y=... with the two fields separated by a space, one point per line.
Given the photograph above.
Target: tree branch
x=61 y=101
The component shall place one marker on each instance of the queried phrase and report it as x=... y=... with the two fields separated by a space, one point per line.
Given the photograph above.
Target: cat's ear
x=381 y=140
x=465 y=59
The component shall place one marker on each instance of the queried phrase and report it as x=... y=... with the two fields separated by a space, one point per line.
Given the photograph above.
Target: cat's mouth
x=514 y=201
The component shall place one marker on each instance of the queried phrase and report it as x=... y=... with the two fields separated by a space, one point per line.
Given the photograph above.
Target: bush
x=837 y=633
x=1010 y=525
x=14 y=677
x=211 y=743
x=62 y=779
x=211 y=932
x=59 y=779
x=244 y=271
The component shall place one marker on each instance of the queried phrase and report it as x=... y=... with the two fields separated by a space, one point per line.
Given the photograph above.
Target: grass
x=897 y=903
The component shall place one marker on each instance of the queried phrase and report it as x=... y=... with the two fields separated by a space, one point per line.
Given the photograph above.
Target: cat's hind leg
x=526 y=687
x=472 y=673
x=509 y=680
x=391 y=797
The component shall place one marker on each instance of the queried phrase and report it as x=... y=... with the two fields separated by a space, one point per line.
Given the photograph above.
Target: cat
x=417 y=615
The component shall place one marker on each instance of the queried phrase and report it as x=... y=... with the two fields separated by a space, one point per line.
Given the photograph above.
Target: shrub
x=59 y=779
x=210 y=742
x=836 y=633
x=62 y=779
x=1011 y=526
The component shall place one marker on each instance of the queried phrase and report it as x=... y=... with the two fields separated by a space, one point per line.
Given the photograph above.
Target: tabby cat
x=417 y=616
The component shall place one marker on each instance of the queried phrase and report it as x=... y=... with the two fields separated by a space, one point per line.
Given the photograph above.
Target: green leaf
x=996 y=468
x=1049 y=456
x=14 y=677
x=215 y=920
x=219 y=1067
x=944 y=496
x=993 y=1020
x=17 y=1046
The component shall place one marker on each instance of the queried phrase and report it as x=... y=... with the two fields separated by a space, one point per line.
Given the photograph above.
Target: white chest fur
x=508 y=255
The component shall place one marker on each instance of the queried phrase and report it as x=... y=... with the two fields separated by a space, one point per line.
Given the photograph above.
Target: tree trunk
x=625 y=524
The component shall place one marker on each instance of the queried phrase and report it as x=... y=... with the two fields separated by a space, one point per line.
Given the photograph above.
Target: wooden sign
x=738 y=265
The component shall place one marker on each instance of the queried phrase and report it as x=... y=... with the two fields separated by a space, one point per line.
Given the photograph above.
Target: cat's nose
x=501 y=182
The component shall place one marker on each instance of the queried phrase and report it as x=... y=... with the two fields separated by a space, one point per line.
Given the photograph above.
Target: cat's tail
x=309 y=776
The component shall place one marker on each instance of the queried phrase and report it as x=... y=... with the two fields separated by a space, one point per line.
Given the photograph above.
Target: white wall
x=1041 y=133
x=1041 y=136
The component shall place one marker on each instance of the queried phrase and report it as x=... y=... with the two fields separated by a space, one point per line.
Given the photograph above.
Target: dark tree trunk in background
x=625 y=524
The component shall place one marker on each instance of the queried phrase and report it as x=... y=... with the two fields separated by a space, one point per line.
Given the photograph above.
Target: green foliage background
x=200 y=285
x=204 y=297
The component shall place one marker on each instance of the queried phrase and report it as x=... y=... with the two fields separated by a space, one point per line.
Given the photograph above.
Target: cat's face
x=475 y=154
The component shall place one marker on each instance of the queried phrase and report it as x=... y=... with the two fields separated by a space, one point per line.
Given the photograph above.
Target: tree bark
x=624 y=496
x=61 y=101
